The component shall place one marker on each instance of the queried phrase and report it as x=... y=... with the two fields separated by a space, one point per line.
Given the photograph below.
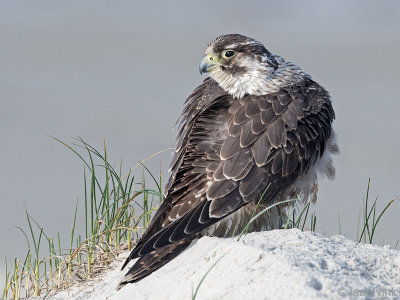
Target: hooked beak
x=208 y=64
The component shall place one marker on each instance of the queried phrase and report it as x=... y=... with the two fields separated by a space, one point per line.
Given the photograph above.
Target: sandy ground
x=278 y=264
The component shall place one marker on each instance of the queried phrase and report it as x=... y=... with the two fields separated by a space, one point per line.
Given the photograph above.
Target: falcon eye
x=229 y=53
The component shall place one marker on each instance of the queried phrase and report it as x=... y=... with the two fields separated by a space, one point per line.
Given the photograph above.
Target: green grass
x=370 y=218
x=299 y=221
x=116 y=211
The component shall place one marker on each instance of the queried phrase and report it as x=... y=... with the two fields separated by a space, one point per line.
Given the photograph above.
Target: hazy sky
x=121 y=70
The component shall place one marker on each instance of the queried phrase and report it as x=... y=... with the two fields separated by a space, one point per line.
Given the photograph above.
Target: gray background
x=121 y=70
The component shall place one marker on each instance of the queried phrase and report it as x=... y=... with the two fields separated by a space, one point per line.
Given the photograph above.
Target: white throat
x=260 y=79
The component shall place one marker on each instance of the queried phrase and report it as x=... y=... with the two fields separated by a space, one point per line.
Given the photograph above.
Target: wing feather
x=276 y=132
x=219 y=189
x=230 y=147
x=261 y=149
x=225 y=205
x=235 y=166
x=247 y=136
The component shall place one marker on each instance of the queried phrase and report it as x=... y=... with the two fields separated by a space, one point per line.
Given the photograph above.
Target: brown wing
x=230 y=150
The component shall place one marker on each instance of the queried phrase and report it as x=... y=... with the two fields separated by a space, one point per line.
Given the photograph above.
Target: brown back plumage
x=229 y=151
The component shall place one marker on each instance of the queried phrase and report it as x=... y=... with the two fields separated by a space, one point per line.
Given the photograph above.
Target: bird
x=257 y=131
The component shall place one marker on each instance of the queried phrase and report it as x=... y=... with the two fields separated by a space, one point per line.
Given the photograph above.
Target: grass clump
x=116 y=211
x=370 y=218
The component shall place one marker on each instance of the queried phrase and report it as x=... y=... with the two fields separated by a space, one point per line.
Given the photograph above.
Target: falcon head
x=242 y=65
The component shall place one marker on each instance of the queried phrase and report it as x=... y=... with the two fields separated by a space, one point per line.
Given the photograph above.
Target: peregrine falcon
x=257 y=125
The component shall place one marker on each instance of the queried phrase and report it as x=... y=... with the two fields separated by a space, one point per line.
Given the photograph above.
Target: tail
x=152 y=261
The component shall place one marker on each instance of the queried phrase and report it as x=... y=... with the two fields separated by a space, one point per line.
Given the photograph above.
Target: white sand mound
x=278 y=264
